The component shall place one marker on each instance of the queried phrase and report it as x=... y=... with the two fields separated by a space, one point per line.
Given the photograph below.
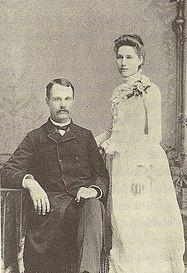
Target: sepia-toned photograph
x=93 y=136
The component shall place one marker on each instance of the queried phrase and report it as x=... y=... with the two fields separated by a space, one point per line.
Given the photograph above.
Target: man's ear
x=47 y=101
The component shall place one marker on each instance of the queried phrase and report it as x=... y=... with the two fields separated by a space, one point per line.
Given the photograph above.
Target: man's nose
x=124 y=62
x=62 y=103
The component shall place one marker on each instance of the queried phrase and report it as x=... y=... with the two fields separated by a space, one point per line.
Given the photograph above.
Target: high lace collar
x=133 y=78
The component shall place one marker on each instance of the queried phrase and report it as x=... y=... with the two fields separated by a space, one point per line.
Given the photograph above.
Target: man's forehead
x=58 y=89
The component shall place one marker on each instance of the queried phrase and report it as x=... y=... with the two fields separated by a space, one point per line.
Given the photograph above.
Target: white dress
x=147 y=227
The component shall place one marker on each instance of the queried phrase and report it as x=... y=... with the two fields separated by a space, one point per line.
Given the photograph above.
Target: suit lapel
x=67 y=136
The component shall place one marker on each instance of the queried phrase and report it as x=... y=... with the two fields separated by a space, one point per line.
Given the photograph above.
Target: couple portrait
x=89 y=186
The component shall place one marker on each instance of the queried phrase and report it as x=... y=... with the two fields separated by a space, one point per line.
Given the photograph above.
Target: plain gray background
x=43 y=40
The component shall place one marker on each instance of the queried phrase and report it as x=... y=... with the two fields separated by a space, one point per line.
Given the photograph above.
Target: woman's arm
x=152 y=138
x=153 y=106
x=104 y=136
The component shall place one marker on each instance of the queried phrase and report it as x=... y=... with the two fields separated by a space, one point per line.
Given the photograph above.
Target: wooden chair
x=12 y=230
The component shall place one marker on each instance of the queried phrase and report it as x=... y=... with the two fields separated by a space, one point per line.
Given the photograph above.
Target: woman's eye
x=129 y=57
x=119 y=57
x=68 y=98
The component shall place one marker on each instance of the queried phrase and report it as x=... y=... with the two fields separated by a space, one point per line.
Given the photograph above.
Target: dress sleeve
x=99 y=171
x=102 y=138
x=105 y=135
x=148 y=148
x=153 y=106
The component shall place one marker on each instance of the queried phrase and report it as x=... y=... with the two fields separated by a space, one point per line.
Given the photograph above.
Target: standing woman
x=147 y=226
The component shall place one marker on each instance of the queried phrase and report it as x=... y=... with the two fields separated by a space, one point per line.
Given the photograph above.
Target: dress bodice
x=134 y=114
x=129 y=113
x=129 y=95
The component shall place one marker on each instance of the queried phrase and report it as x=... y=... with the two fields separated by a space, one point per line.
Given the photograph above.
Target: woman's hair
x=130 y=40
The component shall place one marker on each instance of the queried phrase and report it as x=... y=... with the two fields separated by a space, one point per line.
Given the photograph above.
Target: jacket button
x=77 y=158
x=60 y=160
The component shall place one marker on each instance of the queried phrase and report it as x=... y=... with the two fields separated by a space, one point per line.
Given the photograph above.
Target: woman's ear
x=141 y=60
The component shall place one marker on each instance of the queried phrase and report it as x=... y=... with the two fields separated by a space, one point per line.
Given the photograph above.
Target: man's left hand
x=86 y=193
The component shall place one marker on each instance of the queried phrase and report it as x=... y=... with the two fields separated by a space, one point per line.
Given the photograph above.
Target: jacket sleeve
x=99 y=171
x=15 y=169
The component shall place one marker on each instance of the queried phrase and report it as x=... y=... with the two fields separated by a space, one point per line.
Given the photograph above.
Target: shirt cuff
x=27 y=176
x=99 y=191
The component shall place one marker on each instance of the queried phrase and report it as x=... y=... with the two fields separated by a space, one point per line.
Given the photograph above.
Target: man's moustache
x=64 y=110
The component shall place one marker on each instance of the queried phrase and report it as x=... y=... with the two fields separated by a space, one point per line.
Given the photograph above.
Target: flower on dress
x=138 y=89
x=135 y=88
x=127 y=90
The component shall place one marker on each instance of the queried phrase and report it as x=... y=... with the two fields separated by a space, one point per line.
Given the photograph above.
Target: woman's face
x=127 y=61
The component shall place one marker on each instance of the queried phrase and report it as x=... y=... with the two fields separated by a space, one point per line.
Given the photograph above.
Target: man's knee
x=92 y=204
x=91 y=219
x=92 y=210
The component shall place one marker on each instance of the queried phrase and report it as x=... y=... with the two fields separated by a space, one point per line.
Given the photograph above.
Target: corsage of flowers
x=138 y=90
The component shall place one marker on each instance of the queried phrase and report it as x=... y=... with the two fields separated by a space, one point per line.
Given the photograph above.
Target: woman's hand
x=98 y=141
x=140 y=181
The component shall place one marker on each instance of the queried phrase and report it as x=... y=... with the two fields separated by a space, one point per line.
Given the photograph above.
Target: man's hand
x=38 y=196
x=86 y=193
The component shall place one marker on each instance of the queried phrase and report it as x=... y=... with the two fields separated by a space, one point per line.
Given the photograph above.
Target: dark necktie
x=64 y=128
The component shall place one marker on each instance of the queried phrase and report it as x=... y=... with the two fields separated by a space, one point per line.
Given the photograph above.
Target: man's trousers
x=68 y=226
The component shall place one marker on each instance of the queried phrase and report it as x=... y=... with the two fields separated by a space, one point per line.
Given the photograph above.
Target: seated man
x=60 y=166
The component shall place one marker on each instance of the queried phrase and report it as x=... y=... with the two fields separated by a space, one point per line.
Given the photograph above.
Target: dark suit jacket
x=59 y=163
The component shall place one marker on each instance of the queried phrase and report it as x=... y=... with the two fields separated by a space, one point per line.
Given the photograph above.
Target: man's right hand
x=38 y=196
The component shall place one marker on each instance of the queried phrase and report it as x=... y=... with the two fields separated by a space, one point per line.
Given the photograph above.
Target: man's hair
x=130 y=40
x=60 y=81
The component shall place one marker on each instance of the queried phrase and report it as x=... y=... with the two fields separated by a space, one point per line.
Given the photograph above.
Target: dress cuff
x=143 y=164
x=99 y=191
x=27 y=176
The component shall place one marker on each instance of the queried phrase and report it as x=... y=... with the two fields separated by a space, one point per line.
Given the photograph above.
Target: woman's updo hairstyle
x=131 y=40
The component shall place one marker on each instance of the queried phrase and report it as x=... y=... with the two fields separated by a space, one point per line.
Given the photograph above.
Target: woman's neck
x=132 y=78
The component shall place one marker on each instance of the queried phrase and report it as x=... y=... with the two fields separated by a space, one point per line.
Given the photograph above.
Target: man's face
x=60 y=102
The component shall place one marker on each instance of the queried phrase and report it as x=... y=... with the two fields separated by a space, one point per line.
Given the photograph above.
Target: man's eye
x=68 y=98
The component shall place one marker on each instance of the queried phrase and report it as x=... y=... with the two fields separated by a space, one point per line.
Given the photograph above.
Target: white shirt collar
x=60 y=124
